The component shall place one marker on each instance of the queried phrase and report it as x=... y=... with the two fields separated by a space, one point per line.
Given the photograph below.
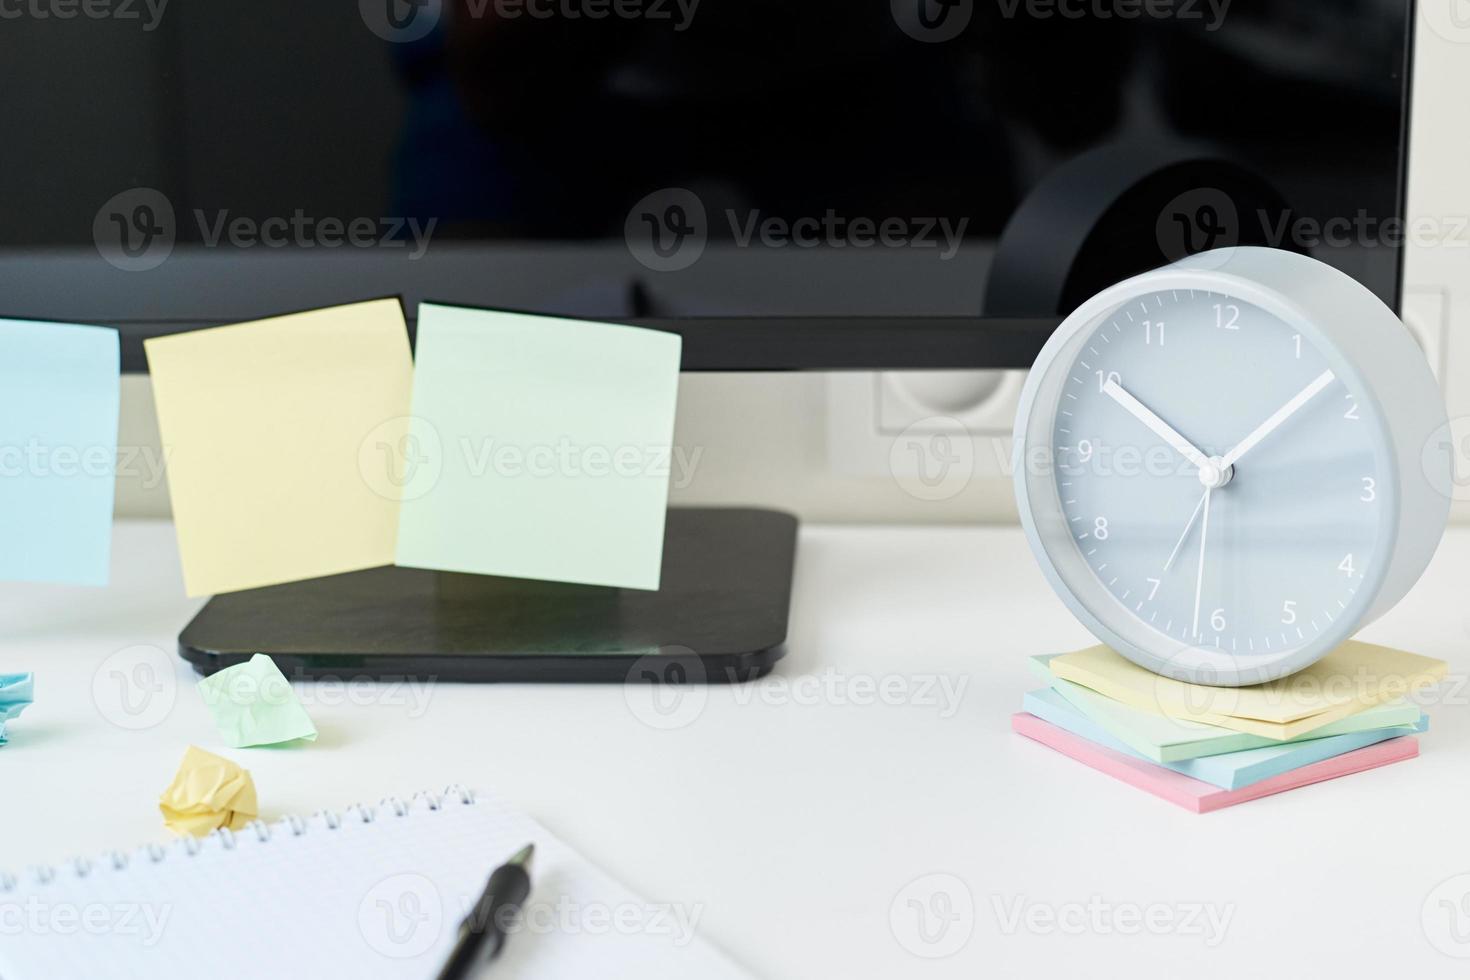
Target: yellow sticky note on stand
x=282 y=437
x=1352 y=677
x=208 y=792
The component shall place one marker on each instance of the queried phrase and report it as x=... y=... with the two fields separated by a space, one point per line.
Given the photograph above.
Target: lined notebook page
x=369 y=892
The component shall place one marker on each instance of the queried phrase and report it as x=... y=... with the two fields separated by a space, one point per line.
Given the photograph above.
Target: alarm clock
x=1225 y=468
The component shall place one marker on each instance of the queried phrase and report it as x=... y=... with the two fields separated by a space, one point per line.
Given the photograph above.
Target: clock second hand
x=1199 y=580
x=1187 y=528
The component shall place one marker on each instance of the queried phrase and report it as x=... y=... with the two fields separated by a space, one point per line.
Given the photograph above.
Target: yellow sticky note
x=208 y=792
x=281 y=438
x=1352 y=677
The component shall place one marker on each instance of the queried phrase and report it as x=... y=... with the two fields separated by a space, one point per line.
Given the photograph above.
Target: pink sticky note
x=1201 y=797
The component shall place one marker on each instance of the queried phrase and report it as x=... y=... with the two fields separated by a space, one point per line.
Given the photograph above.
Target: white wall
x=831 y=447
x=1437 y=276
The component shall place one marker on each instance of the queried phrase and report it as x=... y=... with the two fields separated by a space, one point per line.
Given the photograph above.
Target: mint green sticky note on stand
x=539 y=448
x=253 y=704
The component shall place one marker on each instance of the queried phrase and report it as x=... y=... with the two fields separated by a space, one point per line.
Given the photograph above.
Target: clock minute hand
x=1199 y=578
x=1282 y=414
x=1160 y=428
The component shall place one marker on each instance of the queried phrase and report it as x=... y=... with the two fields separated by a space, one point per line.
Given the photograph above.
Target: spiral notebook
x=368 y=892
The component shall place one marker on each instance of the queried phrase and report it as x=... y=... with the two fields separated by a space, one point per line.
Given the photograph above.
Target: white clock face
x=1217 y=477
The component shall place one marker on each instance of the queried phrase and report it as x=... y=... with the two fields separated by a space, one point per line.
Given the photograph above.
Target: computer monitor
x=823 y=184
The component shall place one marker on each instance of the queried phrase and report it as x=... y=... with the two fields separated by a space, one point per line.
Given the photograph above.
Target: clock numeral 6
x=1288 y=612
x=1217 y=620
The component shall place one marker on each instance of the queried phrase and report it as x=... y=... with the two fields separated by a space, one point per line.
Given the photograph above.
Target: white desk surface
x=792 y=817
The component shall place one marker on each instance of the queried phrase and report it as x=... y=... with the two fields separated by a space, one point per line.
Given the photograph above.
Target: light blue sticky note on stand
x=539 y=448
x=58 y=451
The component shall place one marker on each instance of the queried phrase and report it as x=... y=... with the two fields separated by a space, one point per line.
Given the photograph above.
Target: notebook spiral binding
x=227 y=840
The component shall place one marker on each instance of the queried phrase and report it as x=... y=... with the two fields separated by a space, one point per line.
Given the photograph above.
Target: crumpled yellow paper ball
x=208 y=792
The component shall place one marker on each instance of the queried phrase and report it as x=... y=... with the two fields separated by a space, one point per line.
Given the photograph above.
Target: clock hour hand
x=1160 y=428
x=1282 y=414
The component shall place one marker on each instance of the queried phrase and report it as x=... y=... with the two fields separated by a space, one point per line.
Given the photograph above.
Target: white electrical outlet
x=1426 y=314
x=922 y=427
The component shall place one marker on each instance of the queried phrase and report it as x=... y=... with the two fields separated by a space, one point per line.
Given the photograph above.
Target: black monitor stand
x=720 y=616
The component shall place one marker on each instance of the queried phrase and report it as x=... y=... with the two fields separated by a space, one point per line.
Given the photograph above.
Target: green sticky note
x=538 y=448
x=253 y=704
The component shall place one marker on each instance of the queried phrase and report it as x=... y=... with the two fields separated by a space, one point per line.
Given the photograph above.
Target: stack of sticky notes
x=1205 y=747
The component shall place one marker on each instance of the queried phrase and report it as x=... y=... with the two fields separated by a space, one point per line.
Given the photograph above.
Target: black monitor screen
x=695 y=157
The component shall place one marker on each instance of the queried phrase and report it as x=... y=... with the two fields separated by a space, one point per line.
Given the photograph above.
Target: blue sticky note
x=58 y=451
x=1232 y=770
x=16 y=692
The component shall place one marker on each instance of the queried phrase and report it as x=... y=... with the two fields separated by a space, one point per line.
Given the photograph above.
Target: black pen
x=482 y=933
